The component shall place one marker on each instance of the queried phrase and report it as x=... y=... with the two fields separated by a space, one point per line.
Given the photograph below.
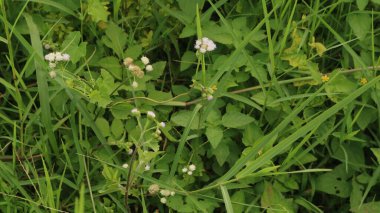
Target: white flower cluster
x=166 y=193
x=189 y=169
x=204 y=45
x=148 y=67
x=57 y=57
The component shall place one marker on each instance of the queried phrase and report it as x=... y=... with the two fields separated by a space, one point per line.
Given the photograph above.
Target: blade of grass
x=42 y=85
x=227 y=199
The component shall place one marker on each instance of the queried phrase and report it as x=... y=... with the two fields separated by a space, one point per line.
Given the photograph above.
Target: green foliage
x=282 y=116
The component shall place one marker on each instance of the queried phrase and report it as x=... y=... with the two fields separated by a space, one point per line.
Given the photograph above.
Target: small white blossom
x=162 y=124
x=210 y=97
x=52 y=74
x=184 y=170
x=66 y=57
x=153 y=189
x=52 y=65
x=50 y=57
x=130 y=151
x=147 y=167
x=192 y=167
x=163 y=200
x=47 y=46
x=165 y=192
x=149 y=68
x=190 y=173
x=135 y=112
x=125 y=166
x=151 y=114
x=58 y=56
x=134 y=84
x=145 y=60
x=172 y=193
x=204 y=44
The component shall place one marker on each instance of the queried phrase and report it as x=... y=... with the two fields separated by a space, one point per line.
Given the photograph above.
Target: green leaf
x=103 y=125
x=339 y=87
x=111 y=64
x=221 y=153
x=121 y=110
x=182 y=117
x=361 y=4
x=335 y=182
x=115 y=39
x=187 y=60
x=133 y=51
x=236 y=119
x=273 y=199
x=72 y=46
x=368 y=207
x=214 y=135
x=251 y=134
x=376 y=152
x=158 y=69
x=117 y=128
x=360 y=24
x=376 y=1
x=98 y=10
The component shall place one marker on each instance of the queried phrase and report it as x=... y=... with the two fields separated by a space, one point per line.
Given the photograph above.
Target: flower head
x=163 y=200
x=184 y=170
x=50 y=57
x=363 y=81
x=127 y=61
x=134 y=84
x=151 y=114
x=145 y=60
x=52 y=74
x=149 y=68
x=125 y=166
x=192 y=167
x=162 y=124
x=153 y=189
x=135 y=112
x=325 y=78
x=66 y=57
x=204 y=45
x=147 y=167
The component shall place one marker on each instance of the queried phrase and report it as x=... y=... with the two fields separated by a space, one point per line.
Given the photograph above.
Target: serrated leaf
x=115 y=38
x=133 y=51
x=99 y=98
x=72 y=46
x=182 y=117
x=122 y=110
x=334 y=182
x=98 y=10
x=236 y=119
x=111 y=64
x=221 y=153
x=158 y=69
x=214 y=135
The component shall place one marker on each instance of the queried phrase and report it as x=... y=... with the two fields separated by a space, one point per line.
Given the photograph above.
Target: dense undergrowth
x=189 y=106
